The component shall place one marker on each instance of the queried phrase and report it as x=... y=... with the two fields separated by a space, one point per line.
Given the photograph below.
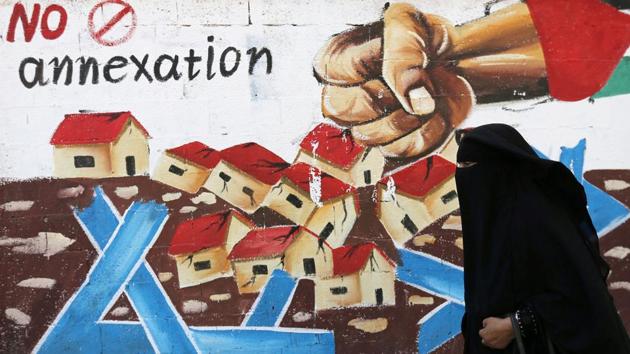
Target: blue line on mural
x=101 y=216
x=248 y=339
x=76 y=324
x=272 y=301
x=607 y=212
x=151 y=305
x=431 y=274
x=160 y=322
x=439 y=326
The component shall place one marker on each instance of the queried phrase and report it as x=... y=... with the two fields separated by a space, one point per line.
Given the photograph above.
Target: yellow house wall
x=236 y=231
x=219 y=267
x=374 y=162
x=436 y=207
x=333 y=212
x=64 y=161
x=324 y=299
x=243 y=274
x=132 y=142
x=325 y=166
x=306 y=246
x=379 y=274
x=193 y=178
x=277 y=200
x=392 y=210
x=233 y=194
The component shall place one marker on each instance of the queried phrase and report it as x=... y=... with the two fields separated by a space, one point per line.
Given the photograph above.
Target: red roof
x=256 y=161
x=93 y=128
x=333 y=145
x=265 y=242
x=422 y=176
x=300 y=175
x=197 y=153
x=204 y=232
x=351 y=259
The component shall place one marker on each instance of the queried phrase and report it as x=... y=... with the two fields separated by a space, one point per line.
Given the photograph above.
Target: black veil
x=529 y=241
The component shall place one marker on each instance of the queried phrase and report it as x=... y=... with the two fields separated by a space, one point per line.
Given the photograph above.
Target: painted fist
x=404 y=83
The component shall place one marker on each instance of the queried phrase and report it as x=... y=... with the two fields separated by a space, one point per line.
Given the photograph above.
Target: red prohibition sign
x=124 y=11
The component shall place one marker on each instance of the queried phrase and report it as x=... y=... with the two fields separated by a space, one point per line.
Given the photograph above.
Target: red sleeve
x=583 y=41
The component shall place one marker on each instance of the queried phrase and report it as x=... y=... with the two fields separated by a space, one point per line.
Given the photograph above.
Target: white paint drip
x=165 y=276
x=623 y=285
x=315 y=186
x=302 y=317
x=37 y=283
x=120 y=311
x=17 y=205
x=45 y=243
x=618 y=252
x=615 y=185
x=70 y=192
x=126 y=192
x=194 y=306
x=169 y=197
x=187 y=209
x=18 y=317
x=205 y=197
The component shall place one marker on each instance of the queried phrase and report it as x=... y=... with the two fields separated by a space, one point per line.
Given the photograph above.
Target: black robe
x=529 y=241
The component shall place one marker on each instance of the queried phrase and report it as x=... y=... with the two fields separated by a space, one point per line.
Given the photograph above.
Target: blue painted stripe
x=606 y=212
x=158 y=317
x=99 y=218
x=262 y=341
x=108 y=274
x=440 y=327
x=113 y=337
x=155 y=311
x=120 y=338
x=149 y=302
x=272 y=300
x=431 y=274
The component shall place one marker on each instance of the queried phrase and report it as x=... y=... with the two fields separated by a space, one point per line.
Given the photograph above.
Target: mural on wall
x=222 y=199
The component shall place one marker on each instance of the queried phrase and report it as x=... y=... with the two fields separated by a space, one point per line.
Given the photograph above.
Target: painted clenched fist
x=404 y=83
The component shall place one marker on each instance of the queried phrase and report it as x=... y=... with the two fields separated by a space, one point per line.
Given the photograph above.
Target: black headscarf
x=529 y=241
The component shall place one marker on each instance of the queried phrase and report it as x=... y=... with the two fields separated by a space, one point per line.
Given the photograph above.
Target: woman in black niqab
x=531 y=252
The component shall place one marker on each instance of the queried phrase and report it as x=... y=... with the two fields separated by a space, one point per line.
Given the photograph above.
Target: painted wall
x=88 y=257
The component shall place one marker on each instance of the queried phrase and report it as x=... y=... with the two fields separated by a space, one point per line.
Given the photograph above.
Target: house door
x=379 y=296
x=309 y=266
x=130 y=162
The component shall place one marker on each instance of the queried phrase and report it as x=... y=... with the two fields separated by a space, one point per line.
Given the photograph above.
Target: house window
x=176 y=170
x=248 y=191
x=449 y=196
x=328 y=229
x=309 y=266
x=294 y=200
x=367 y=176
x=409 y=225
x=84 y=161
x=224 y=176
x=259 y=269
x=201 y=265
x=339 y=290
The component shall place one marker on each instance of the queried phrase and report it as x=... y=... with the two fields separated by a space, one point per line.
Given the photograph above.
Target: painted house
x=292 y=248
x=201 y=246
x=363 y=275
x=335 y=152
x=316 y=200
x=245 y=174
x=186 y=167
x=415 y=196
x=99 y=145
